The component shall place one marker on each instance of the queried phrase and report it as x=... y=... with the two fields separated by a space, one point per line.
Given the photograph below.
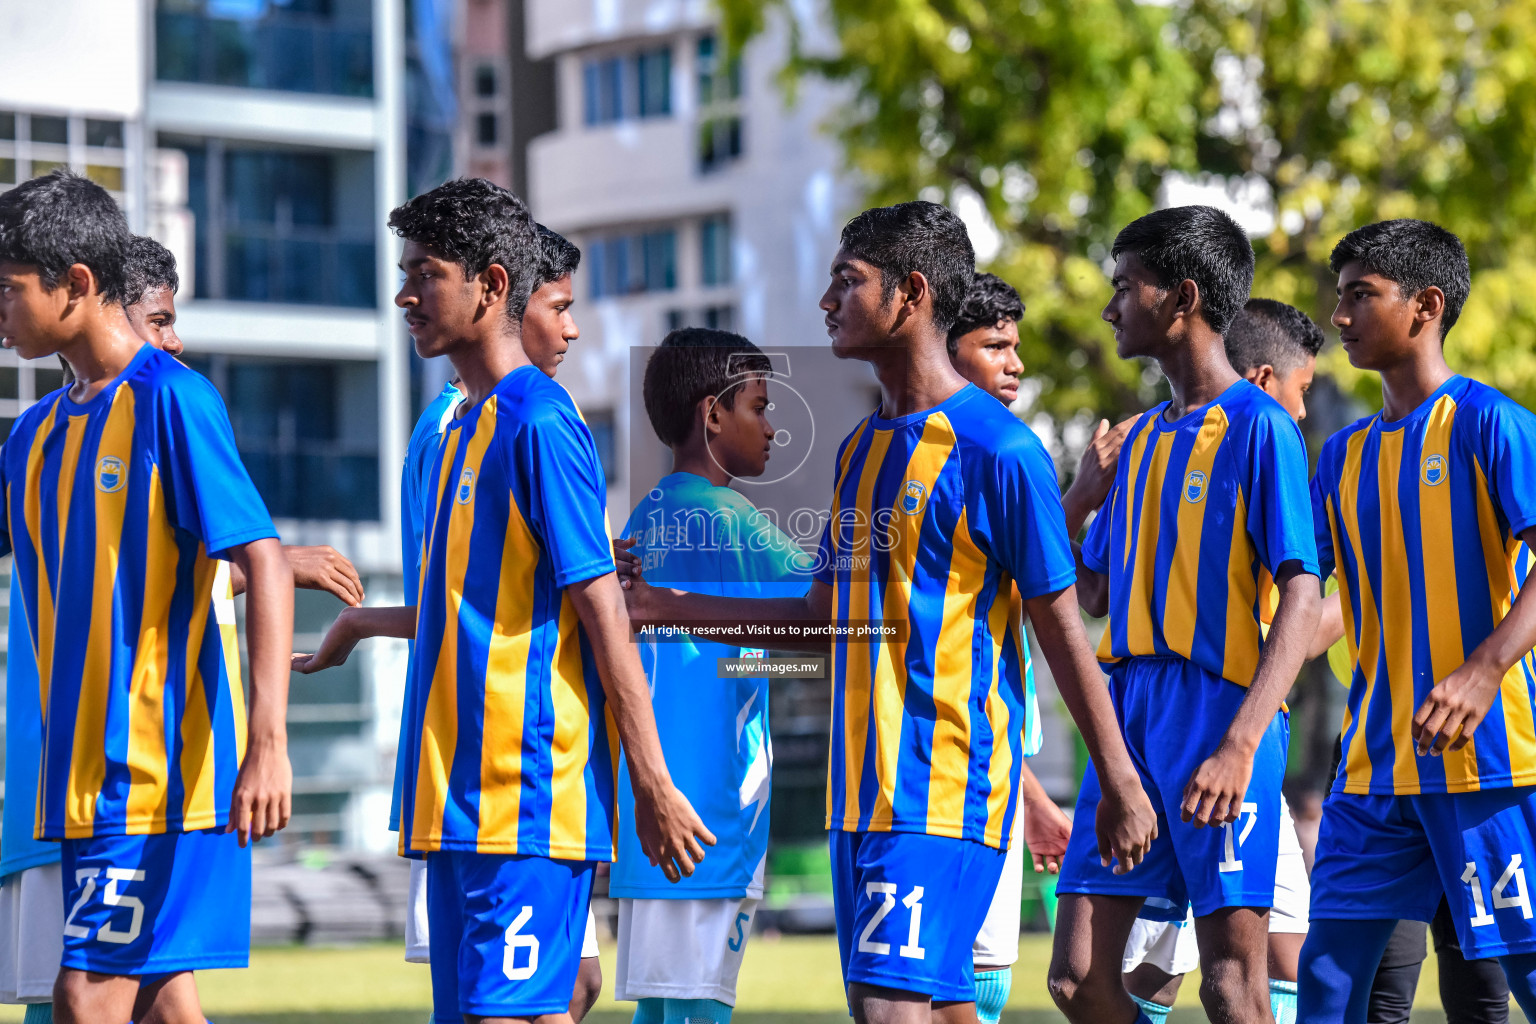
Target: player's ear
x=1186 y=298
x=1262 y=375
x=910 y=293
x=1431 y=304
x=709 y=413
x=494 y=285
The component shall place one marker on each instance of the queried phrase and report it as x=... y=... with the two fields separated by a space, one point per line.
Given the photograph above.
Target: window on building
x=281 y=225
x=33 y=143
x=715 y=250
x=22 y=383
x=485 y=129
x=719 y=86
x=633 y=262
x=600 y=422
x=716 y=318
x=307 y=431
x=485 y=80
x=313 y=46
x=627 y=87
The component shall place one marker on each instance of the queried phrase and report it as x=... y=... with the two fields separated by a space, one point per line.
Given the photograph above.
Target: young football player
x=943 y=503
x=547 y=332
x=123 y=491
x=1208 y=504
x=1425 y=513
x=524 y=676
x=681 y=946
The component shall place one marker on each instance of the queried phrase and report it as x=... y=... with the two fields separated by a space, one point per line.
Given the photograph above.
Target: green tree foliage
x=1067 y=117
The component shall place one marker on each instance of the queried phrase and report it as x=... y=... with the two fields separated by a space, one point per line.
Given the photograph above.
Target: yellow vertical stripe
x=1397 y=612
x=1181 y=603
x=450 y=450
x=1357 y=760
x=889 y=693
x=954 y=661
x=1007 y=610
x=1437 y=554
x=229 y=644
x=88 y=758
x=856 y=676
x=199 y=807
x=440 y=718
x=839 y=650
x=1139 y=635
x=1133 y=482
x=506 y=686
x=572 y=714
x=1502 y=563
x=1241 y=658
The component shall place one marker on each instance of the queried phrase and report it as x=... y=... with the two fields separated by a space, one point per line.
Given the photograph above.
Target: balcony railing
x=285 y=51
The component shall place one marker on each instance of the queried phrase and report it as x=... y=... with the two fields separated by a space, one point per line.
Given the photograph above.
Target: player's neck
x=100 y=350
x=1197 y=370
x=482 y=363
x=1407 y=385
x=914 y=377
x=692 y=456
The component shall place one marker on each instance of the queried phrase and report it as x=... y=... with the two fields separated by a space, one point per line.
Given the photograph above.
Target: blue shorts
x=146 y=905
x=1391 y=857
x=909 y=907
x=1173 y=715
x=504 y=933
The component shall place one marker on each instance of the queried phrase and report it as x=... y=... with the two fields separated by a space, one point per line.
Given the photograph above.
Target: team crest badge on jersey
x=1194 y=487
x=111 y=474
x=466 y=487
x=1434 y=470
x=914 y=497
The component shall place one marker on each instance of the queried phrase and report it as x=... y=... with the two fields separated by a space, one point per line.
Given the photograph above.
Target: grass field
x=792 y=980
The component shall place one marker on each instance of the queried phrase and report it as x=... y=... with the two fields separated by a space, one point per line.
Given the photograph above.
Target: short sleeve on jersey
x=209 y=493
x=1027 y=528
x=1322 y=529
x=568 y=495
x=1508 y=440
x=1096 y=541
x=1280 y=519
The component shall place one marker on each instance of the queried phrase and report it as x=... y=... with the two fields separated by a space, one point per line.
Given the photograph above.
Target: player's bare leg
x=1153 y=984
x=1234 y=974
x=1084 y=979
x=1285 y=954
x=589 y=985
x=874 y=1004
x=955 y=1013
x=86 y=997
x=545 y=1018
x=171 y=999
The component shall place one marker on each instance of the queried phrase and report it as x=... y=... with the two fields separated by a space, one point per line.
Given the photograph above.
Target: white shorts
x=416 y=933
x=31 y=934
x=1170 y=945
x=682 y=949
x=997 y=944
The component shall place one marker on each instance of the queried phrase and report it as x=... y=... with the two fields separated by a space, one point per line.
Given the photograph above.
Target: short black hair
x=1194 y=243
x=61 y=219
x=1267 y=331
x=1415 y=254
x=917 y=236
x=558 y=257
x=475 y=223
x=990 y=301
x=150 y=266
x=692 y=364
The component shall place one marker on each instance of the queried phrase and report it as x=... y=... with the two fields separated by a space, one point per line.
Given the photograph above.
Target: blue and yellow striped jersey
x=1202 y=514
x=508 y=745
x=1420 y=520
x=936 y=517
x=115 y=509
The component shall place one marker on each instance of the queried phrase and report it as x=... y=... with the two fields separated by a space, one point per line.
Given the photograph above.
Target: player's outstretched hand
x=1125 y=826
x=1214 y=795
x=322 y=567
x=670 y=832
x=626 y=562
x=1046 y=831
x=263 y=796
x=1455 y=708
x=334 y=648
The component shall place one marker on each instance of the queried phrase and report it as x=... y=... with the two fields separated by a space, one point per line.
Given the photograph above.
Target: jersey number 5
x=913 y=902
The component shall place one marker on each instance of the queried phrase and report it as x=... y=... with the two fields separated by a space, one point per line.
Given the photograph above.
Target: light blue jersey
x=23 y=749
x=420 y=453
x=714 y=731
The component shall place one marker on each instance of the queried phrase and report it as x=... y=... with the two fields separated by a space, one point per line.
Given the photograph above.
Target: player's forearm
x=1092 y=587
x=398 y=621
x=1330 y=626
x=1030 y=790
x=1078 y=506
x=1285 y=648
x=1081 y=684
x=269 y=639
x=600 y=605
